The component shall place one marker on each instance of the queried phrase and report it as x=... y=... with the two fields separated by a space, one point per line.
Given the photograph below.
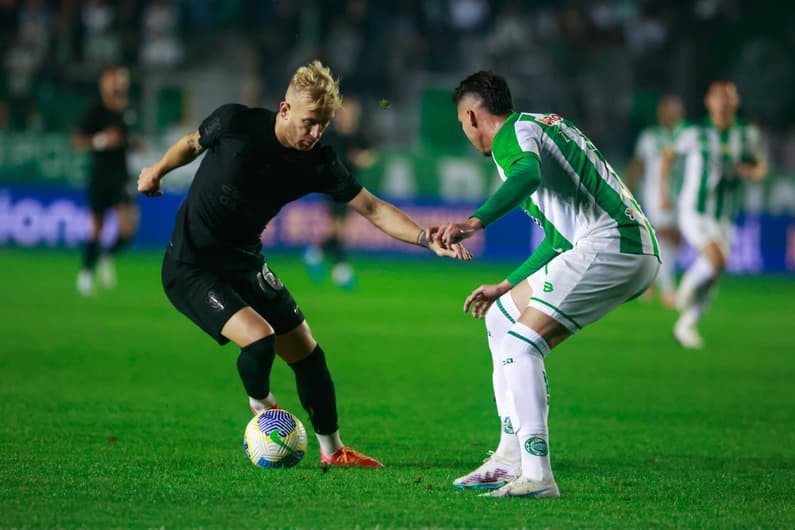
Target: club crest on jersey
x=549 y=119
x=630 y=212
x=215 y=300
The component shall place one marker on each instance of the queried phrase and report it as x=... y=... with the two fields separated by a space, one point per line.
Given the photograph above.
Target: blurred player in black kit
x=213 y=271
x=349 y=140
x=104 y=131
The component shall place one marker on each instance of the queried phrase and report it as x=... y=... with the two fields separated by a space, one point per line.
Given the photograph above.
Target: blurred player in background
x=646 y=166
x=104 y=130
x=348 y=139
x=720 y=153
x=599 y=252
x=213 y=270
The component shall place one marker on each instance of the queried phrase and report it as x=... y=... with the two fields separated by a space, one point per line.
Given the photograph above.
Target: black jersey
x=108 y=167
x=245 y=178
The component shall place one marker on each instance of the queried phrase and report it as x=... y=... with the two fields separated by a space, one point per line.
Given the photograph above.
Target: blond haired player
x=256 y=162
x=720 y=154
x=598 y=252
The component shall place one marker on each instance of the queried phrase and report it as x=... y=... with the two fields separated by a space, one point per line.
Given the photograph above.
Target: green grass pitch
x=117 y=412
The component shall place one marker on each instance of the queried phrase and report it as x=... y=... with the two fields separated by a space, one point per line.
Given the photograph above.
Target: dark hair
x=491 y=88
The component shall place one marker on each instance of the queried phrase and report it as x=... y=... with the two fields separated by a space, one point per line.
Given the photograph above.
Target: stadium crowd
x=601 y=62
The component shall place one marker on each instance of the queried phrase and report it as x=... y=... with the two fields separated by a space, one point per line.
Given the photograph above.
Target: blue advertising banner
x=58 y=218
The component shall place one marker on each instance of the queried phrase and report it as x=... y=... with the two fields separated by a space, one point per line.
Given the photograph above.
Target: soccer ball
x=275 y=438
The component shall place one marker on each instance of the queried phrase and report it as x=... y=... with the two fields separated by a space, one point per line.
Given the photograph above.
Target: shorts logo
x=509 y=360
x=536 y=446
x=507 y=426
x=215 y=300
x=548 y=287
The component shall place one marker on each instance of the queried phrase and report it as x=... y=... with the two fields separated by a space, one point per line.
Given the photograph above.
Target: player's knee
x=521 y=338
x=502 y=313
x=297 y=344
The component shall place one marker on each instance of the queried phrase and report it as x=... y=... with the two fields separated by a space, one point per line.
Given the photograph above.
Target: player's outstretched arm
x=396 y=223
x=184 y=151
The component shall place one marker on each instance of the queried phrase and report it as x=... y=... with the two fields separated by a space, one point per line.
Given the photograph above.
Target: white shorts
x=700 y=230
x=583 y=284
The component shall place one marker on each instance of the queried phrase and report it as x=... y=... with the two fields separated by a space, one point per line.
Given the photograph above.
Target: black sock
x=90 y=255
x=316 y=391
x=254 y=365
x=333 y=248
x=120 y=244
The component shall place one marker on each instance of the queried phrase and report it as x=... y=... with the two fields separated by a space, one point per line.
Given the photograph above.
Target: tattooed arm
x=184 y=151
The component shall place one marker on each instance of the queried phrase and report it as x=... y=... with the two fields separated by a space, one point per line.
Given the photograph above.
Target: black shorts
x=210 y=299
x=103 y=198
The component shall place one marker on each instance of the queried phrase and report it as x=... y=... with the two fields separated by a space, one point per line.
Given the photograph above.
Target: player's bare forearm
x=666 y=166
x=397 y=224
x=184 y=151
x=386 y=217
x=81 y=142
x=753 y=171
x=633 y=173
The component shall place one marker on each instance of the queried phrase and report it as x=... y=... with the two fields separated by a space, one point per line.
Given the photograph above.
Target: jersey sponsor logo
x=549 y=119
x=548 y=288
x=536 y=446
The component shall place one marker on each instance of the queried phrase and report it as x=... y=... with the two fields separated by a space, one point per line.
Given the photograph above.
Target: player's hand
x=449 y=234
x=481 y=298
x=114 y=136
x=149 y=182
x=748 y=172
x=457 y=251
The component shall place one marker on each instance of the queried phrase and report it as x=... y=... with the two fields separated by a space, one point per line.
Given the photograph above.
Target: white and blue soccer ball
x=275 y=438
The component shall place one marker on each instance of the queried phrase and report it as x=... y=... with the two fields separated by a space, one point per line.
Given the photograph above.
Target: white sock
x=329 y=443
x=700 y=301
x=523 y=352
x=260 y=405
x=700 y=274
x=665 y=278
x=499 y=318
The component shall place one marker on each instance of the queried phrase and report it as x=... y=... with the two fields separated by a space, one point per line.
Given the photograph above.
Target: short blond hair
x=315 y=83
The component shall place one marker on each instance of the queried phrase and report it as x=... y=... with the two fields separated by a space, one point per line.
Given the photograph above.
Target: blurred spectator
x=101 y=39
x=161 y=47
x=8 y=22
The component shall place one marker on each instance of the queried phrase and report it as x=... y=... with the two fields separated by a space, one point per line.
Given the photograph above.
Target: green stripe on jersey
x=607 y=198
x=701 y=204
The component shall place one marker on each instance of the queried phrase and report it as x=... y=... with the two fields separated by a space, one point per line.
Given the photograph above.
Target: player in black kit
x=104 y=131
x=213 y=271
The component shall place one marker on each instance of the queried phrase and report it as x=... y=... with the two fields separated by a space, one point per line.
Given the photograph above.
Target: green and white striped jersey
x=580 y=195
x=711 y=185
x=651 y=144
